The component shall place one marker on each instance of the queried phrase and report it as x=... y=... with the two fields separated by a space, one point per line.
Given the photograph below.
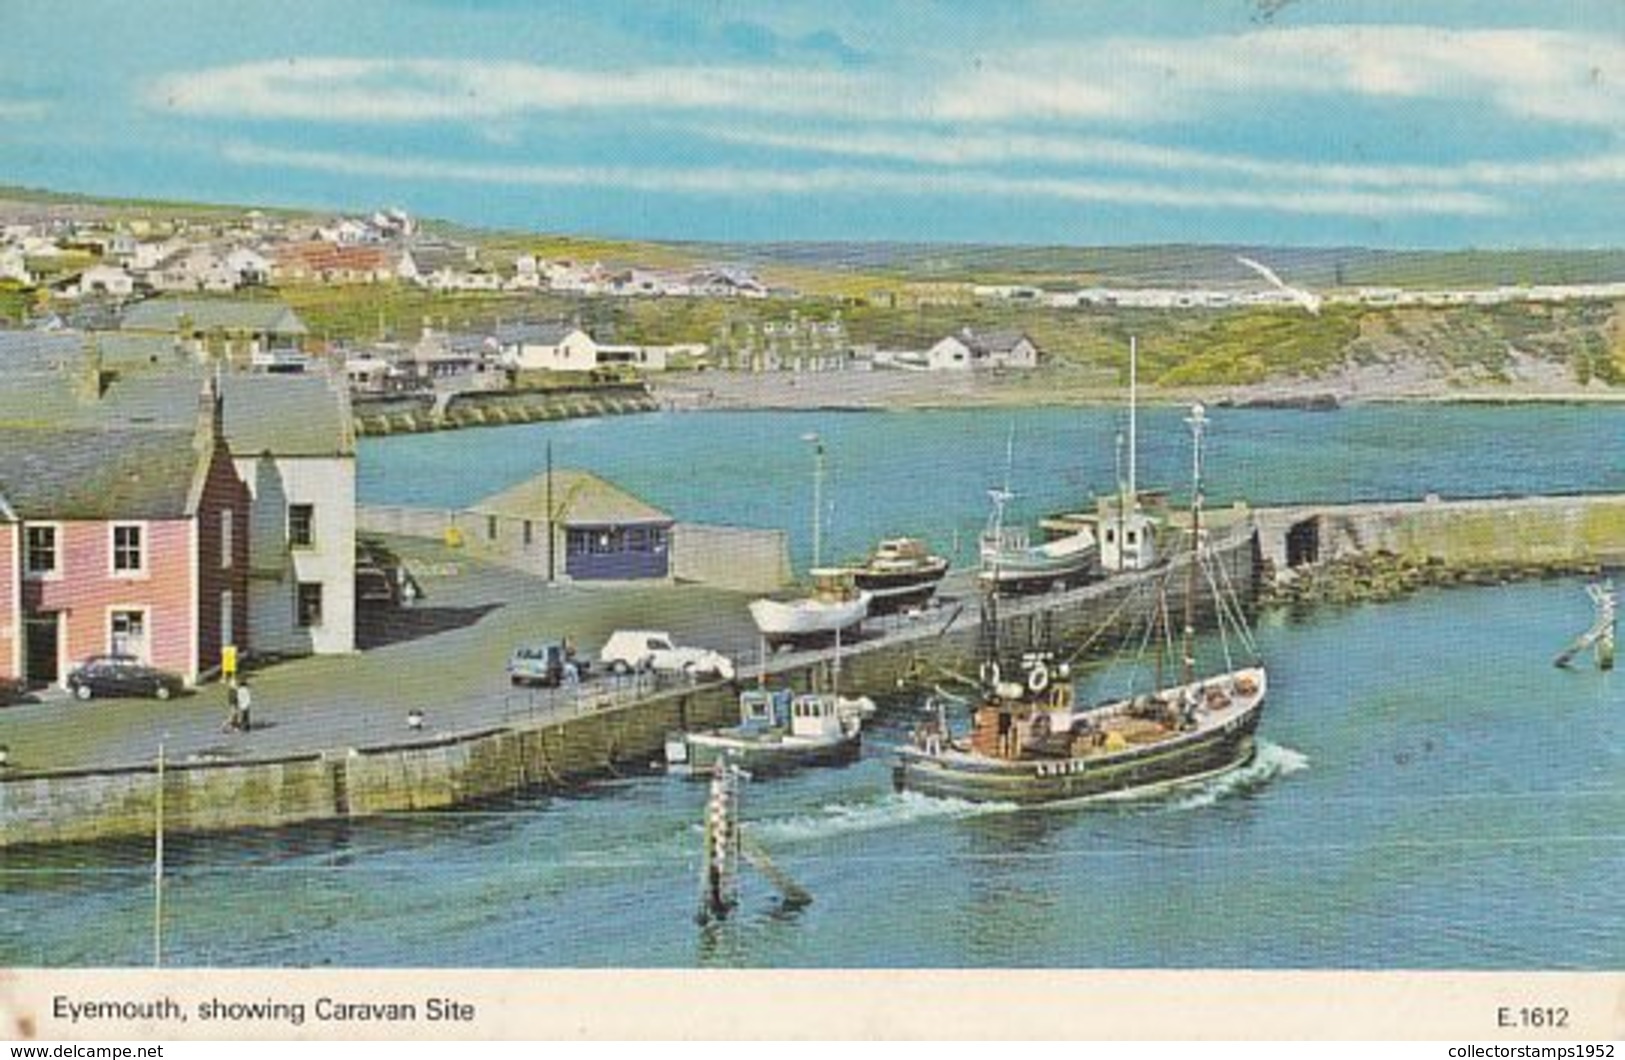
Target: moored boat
x=901 y=573
x=1011 y=562
x=778 y=731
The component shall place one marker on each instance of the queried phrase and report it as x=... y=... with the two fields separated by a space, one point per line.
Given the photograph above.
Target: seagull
x=1308 y=300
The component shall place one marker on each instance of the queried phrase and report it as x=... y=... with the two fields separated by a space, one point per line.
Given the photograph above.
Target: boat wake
x=1271 y=760
x=886 y=811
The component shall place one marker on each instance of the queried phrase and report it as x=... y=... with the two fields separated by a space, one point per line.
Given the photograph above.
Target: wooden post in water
x=725 y=843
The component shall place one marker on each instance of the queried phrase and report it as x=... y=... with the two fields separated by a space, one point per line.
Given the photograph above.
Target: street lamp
x=818 y=495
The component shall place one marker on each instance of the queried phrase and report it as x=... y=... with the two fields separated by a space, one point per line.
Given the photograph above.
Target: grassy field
x=907 y=296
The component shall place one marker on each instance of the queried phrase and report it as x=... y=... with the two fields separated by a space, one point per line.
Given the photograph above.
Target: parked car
x=121 y=675
x=546 y=664
x=646 y=649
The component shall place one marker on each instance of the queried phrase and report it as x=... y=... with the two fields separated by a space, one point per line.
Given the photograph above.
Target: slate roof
x=985 y=342
x=165 y=314
x=73 y=474
x=583 y=499
x=289 y=415
x=540 y=334
x=28 y=351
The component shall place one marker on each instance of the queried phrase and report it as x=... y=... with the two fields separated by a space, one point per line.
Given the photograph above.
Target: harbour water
x=1429 y=793
x=927 y=472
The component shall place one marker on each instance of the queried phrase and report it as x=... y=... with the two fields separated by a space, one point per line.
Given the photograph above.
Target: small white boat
x=777 y=732
x=835 y=606
x=1011 y=561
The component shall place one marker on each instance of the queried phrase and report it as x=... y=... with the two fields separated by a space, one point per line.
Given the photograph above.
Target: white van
x=646 y=649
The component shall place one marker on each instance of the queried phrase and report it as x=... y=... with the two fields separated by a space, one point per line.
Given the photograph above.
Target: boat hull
x=1027 y=782
x=894 y=591
x=768 y=757
x=807 y=621
x=1030 y=569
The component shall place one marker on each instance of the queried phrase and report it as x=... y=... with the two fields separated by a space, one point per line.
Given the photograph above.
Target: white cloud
x=990 y=147
x=418 y=90
x=1532 y=73
x=732 y=180
x=1548 y=75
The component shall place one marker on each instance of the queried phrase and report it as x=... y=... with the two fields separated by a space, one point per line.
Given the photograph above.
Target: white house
x=991 y=349
x=14 y=266
x=249 y=266
x=106 y=279
x=293 y=443
x=547 y=347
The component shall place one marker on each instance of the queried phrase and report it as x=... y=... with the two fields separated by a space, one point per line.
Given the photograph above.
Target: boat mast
x=818 y=496
x=1198 y=422
x=1133 y=419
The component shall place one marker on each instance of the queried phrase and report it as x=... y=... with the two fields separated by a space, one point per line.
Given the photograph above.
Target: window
x=41 y=548
x=225 y=539
x=490 y=528
x=129 y=555
x=127 y=634
x=301 y=526
x=308 y=605
x=529 y=533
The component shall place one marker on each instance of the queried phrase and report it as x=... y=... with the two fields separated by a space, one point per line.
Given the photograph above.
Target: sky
x=1089 y=122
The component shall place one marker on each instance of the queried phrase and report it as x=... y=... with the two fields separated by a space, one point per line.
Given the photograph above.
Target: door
x=228 y=632
x=43 y=647
x=127 y=634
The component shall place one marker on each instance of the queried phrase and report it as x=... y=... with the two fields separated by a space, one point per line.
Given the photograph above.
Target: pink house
x=127 y=541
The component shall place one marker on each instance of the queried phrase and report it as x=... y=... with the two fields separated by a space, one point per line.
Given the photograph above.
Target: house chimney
x=211 y=412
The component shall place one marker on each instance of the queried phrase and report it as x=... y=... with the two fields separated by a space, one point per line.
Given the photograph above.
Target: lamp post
x=818 y=496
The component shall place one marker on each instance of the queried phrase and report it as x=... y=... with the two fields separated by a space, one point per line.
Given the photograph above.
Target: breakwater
x=412 y=414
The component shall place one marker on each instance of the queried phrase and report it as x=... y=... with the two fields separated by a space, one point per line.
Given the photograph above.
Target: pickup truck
x=645 y=649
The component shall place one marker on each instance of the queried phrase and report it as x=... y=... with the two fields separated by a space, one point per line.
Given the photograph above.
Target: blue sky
x=1444 y=124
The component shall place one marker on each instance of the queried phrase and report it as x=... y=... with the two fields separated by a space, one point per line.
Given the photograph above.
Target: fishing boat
x=1129 y=525
x=901 y=573
x=1029 y=742
x=835 y=607
x=1012 y=562
x=778 y=731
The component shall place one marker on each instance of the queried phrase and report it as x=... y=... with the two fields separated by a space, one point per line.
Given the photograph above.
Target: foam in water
x=896 y=810
x=887 y=811
x=1271 y=760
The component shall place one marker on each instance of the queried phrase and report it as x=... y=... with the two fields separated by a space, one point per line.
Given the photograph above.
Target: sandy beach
x=1527 y=379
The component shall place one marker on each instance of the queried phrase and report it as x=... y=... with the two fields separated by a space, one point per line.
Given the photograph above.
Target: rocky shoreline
x=1378 y=577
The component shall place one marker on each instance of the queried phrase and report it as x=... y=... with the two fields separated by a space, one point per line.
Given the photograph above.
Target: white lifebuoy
x=990 y=674
x=1038 y=679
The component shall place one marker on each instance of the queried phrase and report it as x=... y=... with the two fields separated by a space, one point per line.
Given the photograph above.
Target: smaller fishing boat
x=778 y=731
x=1011 y=562
x=837 y=606
x=900 y=574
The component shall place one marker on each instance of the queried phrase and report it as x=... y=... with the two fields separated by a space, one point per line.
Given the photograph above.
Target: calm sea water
x=1430 y=793
x=927 y=472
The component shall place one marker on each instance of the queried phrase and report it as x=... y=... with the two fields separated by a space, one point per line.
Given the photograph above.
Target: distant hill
x=1189 y=265
x=1057 y=267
